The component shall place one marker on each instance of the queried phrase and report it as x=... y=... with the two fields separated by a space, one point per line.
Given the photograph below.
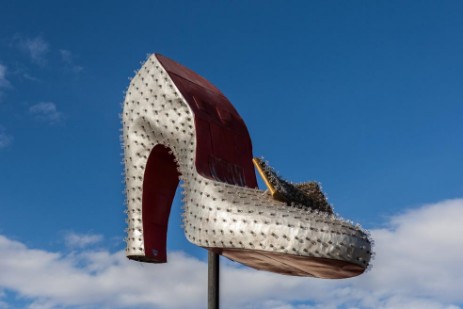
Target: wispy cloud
x=4 y=83
x=36 y=48
x=68 y=58
x=30 y=77
x=418 y=266
x=75 y=240
x=47 y=112
x=5 y=139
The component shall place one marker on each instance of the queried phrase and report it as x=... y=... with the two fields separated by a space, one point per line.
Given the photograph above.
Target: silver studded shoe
x=179 y=127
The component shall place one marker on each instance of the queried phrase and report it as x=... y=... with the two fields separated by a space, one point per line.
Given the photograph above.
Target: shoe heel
x=160 y=181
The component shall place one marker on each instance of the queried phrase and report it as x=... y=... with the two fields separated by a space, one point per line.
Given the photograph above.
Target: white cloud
x=418 y=265
x=66 y=55
x=82 y=240
x=4 y=83
x=5 y=139
x=30 y=77
x=46 y=111
x=36 y=48
x=100 y=278
x=68 y=58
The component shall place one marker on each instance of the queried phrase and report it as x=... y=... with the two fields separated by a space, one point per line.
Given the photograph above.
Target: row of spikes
x=322 y=216
x=304 y=251
x=192 y=214
x=126 y=162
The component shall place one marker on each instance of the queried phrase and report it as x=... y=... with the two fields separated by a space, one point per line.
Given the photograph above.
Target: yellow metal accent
x=264 y=177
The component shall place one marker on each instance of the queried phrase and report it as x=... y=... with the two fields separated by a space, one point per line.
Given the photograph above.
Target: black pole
x=213 y=281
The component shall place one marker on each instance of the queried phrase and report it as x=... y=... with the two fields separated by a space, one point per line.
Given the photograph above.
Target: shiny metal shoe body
x=224 y=210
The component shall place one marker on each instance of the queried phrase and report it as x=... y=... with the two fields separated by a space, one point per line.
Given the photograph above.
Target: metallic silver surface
x=218 y=215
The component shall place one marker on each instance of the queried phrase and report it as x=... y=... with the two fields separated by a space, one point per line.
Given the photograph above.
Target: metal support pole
x=213 y=281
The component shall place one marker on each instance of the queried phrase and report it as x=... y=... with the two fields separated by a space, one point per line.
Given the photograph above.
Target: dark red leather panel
x=159 y=184
x=224 y=149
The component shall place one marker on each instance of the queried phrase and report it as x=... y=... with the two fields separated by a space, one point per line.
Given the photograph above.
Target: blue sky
x=364 y=96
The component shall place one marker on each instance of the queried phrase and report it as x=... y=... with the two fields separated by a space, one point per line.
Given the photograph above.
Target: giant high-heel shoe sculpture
x=179 y=127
